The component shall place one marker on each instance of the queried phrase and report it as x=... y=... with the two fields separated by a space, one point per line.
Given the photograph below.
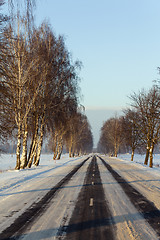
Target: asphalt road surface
x=93 y=201
x=91 y=218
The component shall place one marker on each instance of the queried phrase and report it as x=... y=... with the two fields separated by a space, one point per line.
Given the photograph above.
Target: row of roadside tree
x=137 y=130
x=39 y=91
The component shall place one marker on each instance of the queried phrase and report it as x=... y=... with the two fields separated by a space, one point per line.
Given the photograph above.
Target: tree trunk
x=23 y=160
x=147 y=153
x=35 y=154
x=34 y=143
x=73 y=150
x=60 y=148
x=30 y=156
x=132 y=155
x=147 y=149
x=33 y=151
x=19 y=119
x=115 y=150
x=151 y=155
x=55 y=145
x=59 y=154
x=70 y=147
x=147 y=156
x=39 y=148
x=80 y=152
x=30 y=149
x=55 y=154
x=70 y=151
x=40 y=143
x=18 y=148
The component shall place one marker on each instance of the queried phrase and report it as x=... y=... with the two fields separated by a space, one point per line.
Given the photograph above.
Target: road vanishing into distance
x=100 y=198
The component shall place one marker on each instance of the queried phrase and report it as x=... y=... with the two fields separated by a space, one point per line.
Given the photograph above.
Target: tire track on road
x=147 y=208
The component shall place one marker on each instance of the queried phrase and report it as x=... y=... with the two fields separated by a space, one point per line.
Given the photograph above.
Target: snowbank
x=139 y=162
x=9 y=176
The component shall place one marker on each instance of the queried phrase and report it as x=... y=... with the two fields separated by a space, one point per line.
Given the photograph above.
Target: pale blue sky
x=118 y=42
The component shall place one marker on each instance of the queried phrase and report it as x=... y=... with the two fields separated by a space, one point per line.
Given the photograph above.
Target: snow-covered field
x=8 y=162
x=9 y=177
x=140 y=158
x=139 y=162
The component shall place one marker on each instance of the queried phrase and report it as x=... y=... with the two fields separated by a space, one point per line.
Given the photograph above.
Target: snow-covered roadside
x=8 y=161
x=9 y=177
x=129 y=223
x=146 y=180
x=140 y=159
x=20 y=189
x=139 y=162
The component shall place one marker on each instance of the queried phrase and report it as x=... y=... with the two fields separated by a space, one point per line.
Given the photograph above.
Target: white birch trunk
x=40 y=143
x=39 y=148
x=33 y=146
x=18 y=148
x=151 y=155
x=55 y=145
x=23 y=160
x=70 y=147
x=115 y=150
x=60 y=147
x=29 y=162
x=147 y=152
x=33 y=152
x=132 y=155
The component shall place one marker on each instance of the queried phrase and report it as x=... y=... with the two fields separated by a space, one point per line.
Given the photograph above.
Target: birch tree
x=39 y=78
x=112 y=135
x=5 y=125
x=133 y=137
x=84 y=143
x=147 y=105
x=23 y=80
x=79 y=132
x=61 y=83
x=58 y=124
x=60 y=86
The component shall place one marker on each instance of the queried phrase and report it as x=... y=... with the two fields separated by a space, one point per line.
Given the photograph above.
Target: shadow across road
x=79 y=227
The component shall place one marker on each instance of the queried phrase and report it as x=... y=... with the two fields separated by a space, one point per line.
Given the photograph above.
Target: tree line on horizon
x=137 y=130
x=39 y=89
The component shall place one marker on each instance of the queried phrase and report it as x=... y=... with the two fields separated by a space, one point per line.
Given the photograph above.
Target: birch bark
x=147 y=152
x=18 y=148
x=33 y=144
x=60 y=147
x=40 y=141
x=132 y=155
x=23 y=160
x=151 y=155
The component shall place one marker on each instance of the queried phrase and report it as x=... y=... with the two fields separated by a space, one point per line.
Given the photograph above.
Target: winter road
x=101 y=198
